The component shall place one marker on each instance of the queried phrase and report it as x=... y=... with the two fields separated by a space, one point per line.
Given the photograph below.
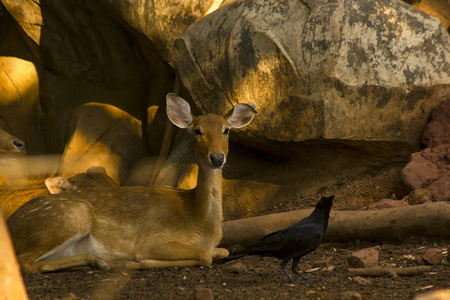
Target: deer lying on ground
x=135 y=227
x=14 y=197
x=11 y=284
x=10 y=145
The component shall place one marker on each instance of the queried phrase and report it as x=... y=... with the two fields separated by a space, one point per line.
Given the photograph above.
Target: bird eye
x=197 y=132
x=226 y=131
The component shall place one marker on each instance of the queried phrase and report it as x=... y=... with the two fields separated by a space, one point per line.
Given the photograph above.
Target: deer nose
x=217 y=159
x=18 y=144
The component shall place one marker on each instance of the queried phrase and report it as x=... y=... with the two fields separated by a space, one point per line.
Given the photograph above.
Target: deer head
x=211 y=131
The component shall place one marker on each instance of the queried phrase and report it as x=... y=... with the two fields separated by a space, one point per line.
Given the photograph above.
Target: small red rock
x=418 y=197
x=437 y=131
x=350 y=295
x=433 y=256
x=440 y=189
x=426 y=167
x=365 y=258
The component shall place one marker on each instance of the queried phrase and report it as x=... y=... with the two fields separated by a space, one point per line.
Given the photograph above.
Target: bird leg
x=283 y=267
x=294 y=269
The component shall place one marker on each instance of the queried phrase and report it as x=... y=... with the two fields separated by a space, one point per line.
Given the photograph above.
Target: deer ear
x=241 y=115
x=178 y=111
x=57 y=185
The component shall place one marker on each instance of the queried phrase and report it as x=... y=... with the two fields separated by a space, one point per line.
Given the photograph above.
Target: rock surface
x=160 y=21
x=430 y=168
x=437 y=131
x=418 y=197
x=433 y=256
x=20 y=113
x=350 y=295
x=340 y=86
x=365 y=258
x=440 y=189
x=438 y=8
x=80 y=59
x=341 y=71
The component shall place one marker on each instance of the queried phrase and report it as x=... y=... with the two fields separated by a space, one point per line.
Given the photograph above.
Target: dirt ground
x=261 y=278
x=254 y=278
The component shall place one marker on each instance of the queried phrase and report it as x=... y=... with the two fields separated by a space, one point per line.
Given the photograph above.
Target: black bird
x=293 y=242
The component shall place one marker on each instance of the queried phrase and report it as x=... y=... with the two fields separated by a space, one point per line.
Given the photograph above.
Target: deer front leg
x=173 y=254
x=219 y=253
x=180 y=251
x=156 y=264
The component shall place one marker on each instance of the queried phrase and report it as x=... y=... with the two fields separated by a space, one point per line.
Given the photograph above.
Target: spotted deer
x=135 y=227
x=9 y=146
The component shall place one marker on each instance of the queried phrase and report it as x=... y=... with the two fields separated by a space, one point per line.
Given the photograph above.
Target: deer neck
x=207 y=205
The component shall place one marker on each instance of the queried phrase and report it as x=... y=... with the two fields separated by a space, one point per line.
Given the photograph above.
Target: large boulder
x=79 y=45
x=20 y=112
x=160 y=21
x=437 y=131
x=364 y=73
x=438 y=8
x=340 y=87
x=83 y=52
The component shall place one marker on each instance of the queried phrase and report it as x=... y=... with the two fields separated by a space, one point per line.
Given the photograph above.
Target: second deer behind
x=135 y=227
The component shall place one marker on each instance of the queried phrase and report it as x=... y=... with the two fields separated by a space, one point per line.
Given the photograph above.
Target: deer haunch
x=14 y=197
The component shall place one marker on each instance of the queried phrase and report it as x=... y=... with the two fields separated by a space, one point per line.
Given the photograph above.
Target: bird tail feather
x=231 y=257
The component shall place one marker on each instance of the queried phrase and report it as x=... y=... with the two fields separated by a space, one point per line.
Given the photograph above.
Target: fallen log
x=393 y=272
x=389 y=224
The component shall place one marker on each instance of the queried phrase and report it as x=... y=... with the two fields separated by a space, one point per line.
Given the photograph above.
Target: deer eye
x=226 y=131
x=197 y=132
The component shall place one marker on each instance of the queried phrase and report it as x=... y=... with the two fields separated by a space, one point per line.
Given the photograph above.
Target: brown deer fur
x=14 y=197
x=142 y=227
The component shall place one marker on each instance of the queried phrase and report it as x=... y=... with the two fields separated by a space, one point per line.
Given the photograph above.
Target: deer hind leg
x=75 y=252
x=82 y=260
x=47 y=234
x=173 y=254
